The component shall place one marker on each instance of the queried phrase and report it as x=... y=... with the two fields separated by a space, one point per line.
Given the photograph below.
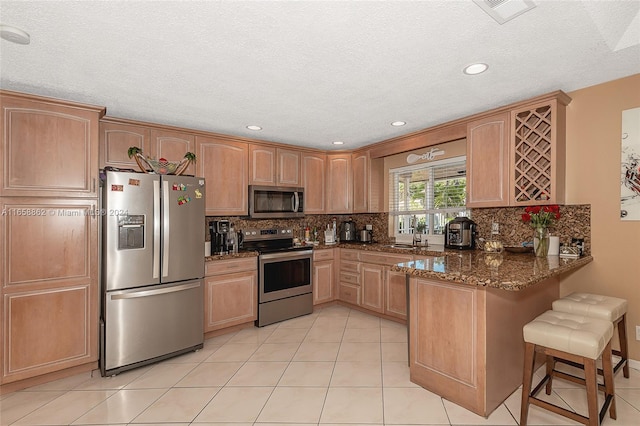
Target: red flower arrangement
x=541 y=216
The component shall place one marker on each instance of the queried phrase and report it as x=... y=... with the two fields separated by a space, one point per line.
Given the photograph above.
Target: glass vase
x=541 y=241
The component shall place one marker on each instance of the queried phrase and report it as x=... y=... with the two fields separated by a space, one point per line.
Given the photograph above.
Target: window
x=424 y=197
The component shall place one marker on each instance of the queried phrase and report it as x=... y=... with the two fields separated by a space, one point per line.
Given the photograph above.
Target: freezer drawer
x=151 y=323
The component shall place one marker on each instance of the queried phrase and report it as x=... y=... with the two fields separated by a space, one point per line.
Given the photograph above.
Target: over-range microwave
x=268 y=202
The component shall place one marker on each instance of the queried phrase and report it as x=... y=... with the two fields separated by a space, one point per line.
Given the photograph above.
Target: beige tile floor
x=337 y=366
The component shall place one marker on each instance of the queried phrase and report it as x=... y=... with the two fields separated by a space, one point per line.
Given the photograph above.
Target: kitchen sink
x=400 y=246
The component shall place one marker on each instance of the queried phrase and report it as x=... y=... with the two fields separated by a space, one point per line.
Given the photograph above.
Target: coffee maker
x=219 y=230
x=348 y=231
x=460 y=234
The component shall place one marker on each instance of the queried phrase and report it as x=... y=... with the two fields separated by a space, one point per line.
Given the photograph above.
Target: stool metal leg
x=527 y=377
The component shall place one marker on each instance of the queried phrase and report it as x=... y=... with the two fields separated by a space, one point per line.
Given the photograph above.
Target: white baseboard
x=634 y=364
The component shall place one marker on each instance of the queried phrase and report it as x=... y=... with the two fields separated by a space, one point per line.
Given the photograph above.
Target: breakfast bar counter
x=465 y=318
x=506 y=271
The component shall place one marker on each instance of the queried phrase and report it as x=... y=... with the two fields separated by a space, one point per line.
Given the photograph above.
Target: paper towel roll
x=207 y=248
x=554 y=246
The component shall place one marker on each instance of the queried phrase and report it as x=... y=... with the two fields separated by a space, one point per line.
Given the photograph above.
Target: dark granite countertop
x=507 y=271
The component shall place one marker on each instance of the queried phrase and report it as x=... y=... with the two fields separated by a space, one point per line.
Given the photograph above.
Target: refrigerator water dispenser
x=131 y=232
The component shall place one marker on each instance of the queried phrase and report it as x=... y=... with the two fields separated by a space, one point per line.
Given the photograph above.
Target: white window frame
x=433 y=239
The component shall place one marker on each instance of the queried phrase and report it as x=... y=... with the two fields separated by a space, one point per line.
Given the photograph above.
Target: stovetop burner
x=270 y=240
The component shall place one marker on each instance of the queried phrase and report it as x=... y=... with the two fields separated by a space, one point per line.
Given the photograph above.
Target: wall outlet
x=637 y=332
x=495 y=228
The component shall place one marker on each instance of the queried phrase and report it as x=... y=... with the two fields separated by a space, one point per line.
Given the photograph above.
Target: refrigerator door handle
x=166 y=234
x=156 y=229
x=146 y=293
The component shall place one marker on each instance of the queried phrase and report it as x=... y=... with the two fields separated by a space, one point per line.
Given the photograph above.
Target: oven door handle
x=289 y=255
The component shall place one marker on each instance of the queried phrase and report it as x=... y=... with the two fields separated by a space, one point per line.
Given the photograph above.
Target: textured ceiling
x=311 y=73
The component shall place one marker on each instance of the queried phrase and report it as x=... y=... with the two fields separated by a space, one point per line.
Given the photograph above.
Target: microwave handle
x=296 y=202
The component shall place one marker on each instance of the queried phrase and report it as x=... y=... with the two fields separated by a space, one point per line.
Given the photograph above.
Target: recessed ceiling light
x=14 y=35
x=474 y=69
x=252 y=127
x=338 y=143
x=398 y=123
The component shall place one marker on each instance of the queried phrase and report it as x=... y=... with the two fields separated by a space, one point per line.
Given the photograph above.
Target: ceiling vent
x=505 y=10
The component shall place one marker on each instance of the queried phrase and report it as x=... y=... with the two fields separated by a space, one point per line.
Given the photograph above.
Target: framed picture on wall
x=630 y=171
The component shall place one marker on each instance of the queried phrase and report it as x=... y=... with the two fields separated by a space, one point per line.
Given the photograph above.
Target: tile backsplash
x=575 y=221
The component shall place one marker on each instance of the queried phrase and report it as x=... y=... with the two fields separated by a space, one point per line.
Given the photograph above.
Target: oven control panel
x=266 y=234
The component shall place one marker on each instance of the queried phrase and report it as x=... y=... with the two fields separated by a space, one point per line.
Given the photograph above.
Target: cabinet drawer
x=383 y=258
x=349 y=254
x=348 y=277
x=350 y=266
x=349 y=293
x=217 y=267
x=319 y=255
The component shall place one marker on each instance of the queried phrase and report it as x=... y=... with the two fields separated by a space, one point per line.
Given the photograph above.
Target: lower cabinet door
x=372 y=286
x=395 y=294
x=230 y=299
x=323 y=282
x=48 y=330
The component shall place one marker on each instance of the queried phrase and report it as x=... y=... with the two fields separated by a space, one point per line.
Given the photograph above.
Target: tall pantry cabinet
x=49 y=236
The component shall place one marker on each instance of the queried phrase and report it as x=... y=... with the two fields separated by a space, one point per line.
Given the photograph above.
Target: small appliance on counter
x=365 y=236
x=460 y=234
x=348 y=231
x=219 y=230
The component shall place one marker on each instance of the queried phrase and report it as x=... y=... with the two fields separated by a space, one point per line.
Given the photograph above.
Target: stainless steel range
x=284 y=275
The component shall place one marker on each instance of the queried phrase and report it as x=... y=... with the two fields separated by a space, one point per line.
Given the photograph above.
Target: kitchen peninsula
x=466 y=312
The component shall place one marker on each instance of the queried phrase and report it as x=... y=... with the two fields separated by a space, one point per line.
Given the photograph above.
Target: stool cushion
x=592 y=305
x=575 y=334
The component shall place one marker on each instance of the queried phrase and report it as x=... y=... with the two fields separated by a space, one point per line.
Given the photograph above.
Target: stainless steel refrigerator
x=152 y=268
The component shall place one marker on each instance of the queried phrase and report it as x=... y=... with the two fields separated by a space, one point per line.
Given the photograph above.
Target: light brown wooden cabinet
x=368 y=178
x=537 y=165
x=273 y=166
x=49 y=285
x=372 y=287
x=323 y=276
x=517 y=157
x=395 y=294
x=115 y=140
x=313 y=182
x=339 y=183
x=366 y=280
x=172 y=145
x=49 y=147
x=231 y=293
x=48 y=237
x=488 y=161
x=465 y=342
x=224 y=166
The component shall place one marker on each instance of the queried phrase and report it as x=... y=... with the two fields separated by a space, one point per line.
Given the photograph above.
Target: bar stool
x=579 y=339
x=604 y=307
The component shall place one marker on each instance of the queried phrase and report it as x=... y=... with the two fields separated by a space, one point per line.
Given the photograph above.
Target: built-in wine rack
x=534 y=167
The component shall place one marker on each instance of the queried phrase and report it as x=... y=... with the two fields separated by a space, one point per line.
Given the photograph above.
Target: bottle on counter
x=307 y=234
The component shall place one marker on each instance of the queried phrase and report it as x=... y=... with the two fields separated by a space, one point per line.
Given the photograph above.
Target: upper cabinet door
x=288 y=167
x=48 y=148
x=538 y=153
x=360 y=182
x=262 y=165
x=223 y=164
x=115 y=141
x=313 y=181
x=172 y=146
x=273 y=166
x=488 y=162
x=339 y=183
